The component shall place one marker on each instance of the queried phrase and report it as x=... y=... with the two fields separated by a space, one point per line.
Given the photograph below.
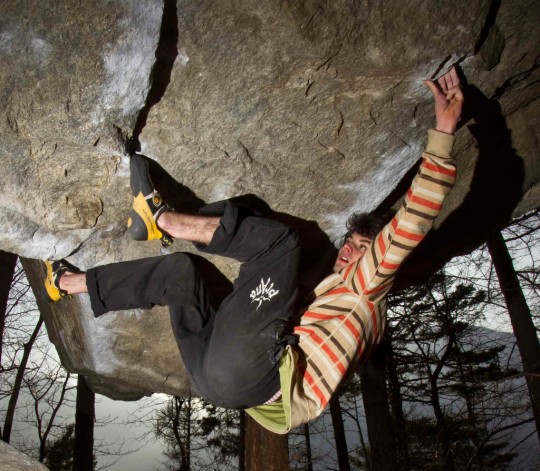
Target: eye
x=362 y=247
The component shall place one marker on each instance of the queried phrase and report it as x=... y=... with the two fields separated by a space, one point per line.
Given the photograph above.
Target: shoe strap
x=163 y=208
x=59 y=274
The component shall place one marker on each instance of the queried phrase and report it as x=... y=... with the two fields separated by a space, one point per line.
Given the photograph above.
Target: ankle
x=63 y=281
x=163 y=221
x=73 y=283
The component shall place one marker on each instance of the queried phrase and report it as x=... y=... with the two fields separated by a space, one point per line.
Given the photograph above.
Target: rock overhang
x=318 y=111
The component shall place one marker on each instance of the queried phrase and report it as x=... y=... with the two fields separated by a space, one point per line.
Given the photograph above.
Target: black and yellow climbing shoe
x=55 y=270
x=147 y=204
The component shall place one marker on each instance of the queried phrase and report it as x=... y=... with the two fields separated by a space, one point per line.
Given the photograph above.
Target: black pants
x=231 y=353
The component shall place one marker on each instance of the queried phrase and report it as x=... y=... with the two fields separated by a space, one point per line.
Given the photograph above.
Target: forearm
x=430 y=186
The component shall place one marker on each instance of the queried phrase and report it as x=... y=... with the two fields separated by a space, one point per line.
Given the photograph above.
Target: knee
x=175 y=271
x=281 y=240
x=292 y=239
x=177 y=264
x=176 y=258
x=227 y=380
x=224 y=375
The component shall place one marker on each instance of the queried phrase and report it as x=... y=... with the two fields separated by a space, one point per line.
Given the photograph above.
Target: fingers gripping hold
x=448 y=100
x=449 y=80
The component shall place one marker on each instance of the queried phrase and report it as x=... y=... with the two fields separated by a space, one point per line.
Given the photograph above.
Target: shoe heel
x=141 y=224
x=136 y=227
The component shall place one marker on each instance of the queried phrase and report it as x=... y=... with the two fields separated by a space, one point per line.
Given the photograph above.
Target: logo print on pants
x=264 y=292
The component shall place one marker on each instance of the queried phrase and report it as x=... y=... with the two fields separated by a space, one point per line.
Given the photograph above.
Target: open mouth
x=344 y=259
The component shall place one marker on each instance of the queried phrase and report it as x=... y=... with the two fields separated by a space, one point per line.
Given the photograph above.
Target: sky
x=148 y=454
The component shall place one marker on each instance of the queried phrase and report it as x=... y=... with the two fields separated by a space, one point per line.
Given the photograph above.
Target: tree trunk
x=44 y=434
x=443 y=432
x=309 y=457
x=7 y=262
x=356 y=419
x=396 y=406
x=242 y=452
x=520 y=316
x=265 y=451
x=177 y=404
x=442 y=425
x=10 y=413
x=339 y=435
x=188 y=433
x=83 y=448
x=379 y=423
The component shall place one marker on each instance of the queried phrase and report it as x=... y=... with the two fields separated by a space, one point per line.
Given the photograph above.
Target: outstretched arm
x=448 y=101
x=373 y=274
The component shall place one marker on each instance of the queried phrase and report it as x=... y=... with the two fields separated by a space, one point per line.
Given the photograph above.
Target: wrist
x=448 y=128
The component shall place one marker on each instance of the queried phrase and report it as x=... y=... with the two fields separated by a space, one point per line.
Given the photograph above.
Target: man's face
x=353 y=249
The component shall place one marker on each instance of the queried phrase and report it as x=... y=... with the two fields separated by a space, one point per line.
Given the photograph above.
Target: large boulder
x=13 y=460
x=317 y=108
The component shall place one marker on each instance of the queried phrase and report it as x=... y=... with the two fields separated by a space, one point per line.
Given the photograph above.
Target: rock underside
x=317 y=108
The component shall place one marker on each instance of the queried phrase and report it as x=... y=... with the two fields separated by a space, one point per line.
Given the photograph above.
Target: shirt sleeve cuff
x=440 y=144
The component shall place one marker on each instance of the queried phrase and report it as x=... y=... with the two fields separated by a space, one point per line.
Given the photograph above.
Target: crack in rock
x=160 y=76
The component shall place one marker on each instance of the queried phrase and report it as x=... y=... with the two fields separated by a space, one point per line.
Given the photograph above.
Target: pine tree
x=198 y=435
x=443 y=373
x=60 y=451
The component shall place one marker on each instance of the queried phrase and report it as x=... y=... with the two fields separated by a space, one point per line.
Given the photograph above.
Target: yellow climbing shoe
x=55 y=270
x=147 y=204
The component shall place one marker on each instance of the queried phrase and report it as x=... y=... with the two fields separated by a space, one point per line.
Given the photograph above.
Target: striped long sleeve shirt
x=347 y=315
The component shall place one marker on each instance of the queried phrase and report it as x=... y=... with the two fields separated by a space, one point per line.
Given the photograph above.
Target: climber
x=260 y=350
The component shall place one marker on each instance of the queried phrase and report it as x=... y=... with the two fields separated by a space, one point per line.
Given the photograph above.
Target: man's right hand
x=448 y=101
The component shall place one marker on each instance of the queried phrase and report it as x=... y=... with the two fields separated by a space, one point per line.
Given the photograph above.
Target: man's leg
x=147 y=219
x=73 y=283
x=194 y=228
x=233 y=359
x=170 y=280
x=240 y=364
x=142 y=284
x=139 y=284
x=236 y=364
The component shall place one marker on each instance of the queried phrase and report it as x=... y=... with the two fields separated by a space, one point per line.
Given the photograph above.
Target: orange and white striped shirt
x=347 y=316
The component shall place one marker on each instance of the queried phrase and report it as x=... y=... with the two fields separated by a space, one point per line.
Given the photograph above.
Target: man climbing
x=260 y=350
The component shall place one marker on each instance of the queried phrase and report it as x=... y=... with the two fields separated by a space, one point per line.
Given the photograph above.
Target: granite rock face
x=317 y=108
x=13 y=460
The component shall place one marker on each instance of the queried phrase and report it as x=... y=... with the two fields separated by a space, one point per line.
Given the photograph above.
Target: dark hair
x=366 y=224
